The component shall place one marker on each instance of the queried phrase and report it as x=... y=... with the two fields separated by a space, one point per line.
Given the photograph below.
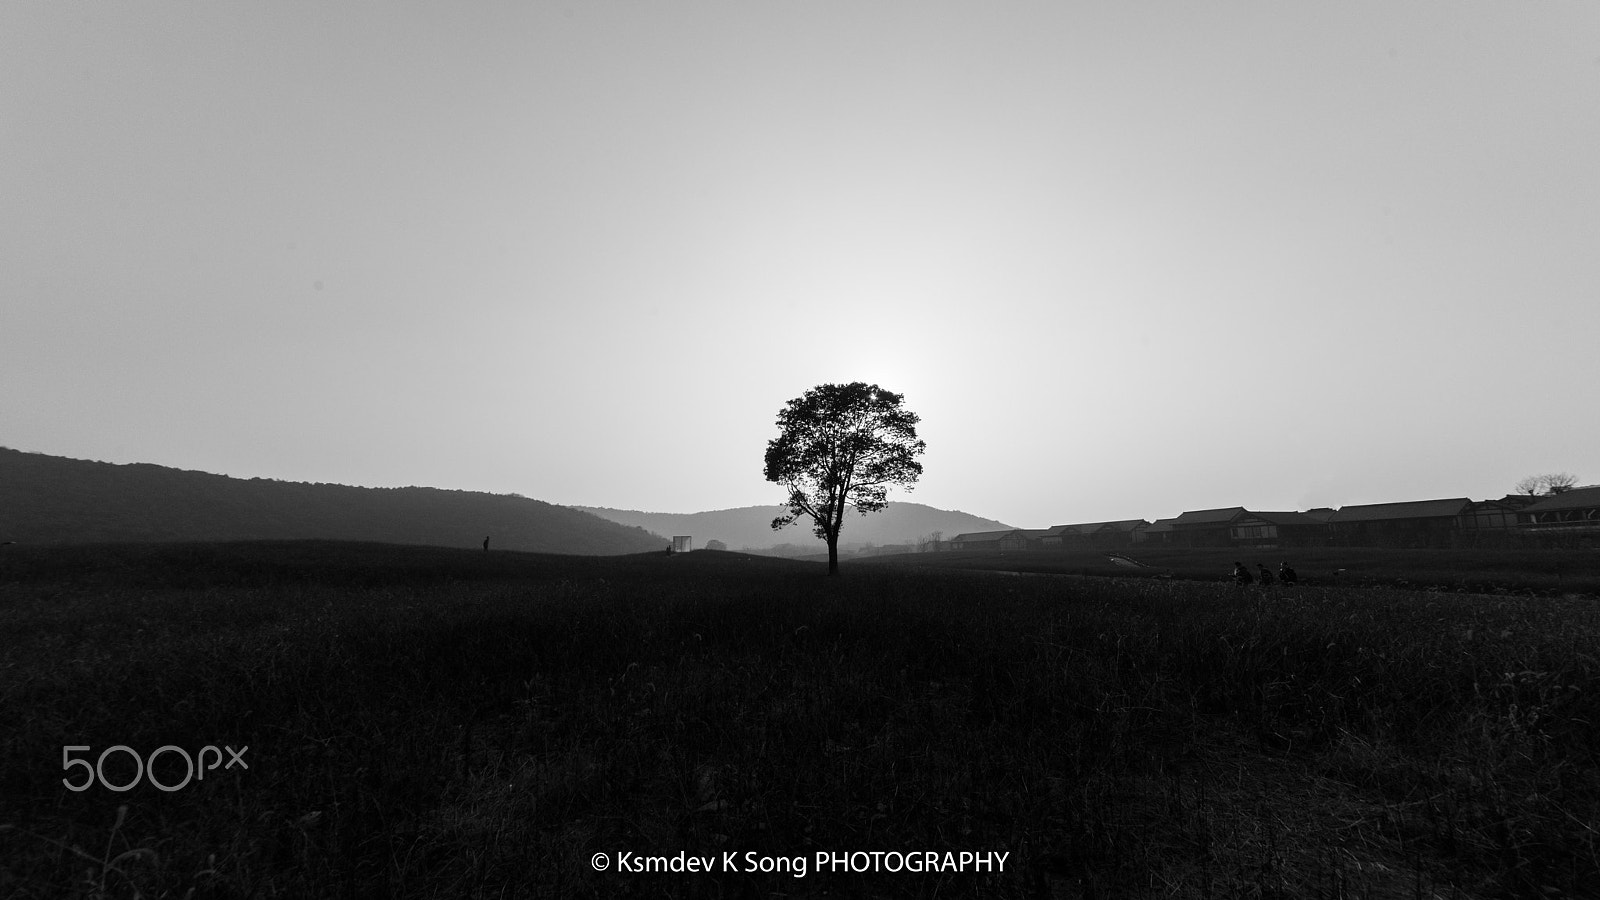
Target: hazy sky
x=1124 y=258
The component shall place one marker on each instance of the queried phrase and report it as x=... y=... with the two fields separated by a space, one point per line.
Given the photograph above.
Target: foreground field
x=430 y=723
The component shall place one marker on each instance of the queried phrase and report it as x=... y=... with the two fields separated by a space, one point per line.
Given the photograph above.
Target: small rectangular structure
x=682 y=543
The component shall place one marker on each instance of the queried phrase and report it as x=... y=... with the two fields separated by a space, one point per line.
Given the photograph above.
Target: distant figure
x=669 y=549
x=1241 y=575
x=1266 y=574
x=486 y=544
x=1285 y=574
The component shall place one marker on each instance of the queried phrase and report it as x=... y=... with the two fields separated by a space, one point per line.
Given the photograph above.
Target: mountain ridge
x=749 y=527
x=54 y=499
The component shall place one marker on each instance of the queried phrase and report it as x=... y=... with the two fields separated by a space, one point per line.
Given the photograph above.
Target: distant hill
x=50 y=499
x=749 y=527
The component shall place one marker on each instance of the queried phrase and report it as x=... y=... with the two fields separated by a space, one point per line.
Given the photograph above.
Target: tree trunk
x=833 y=555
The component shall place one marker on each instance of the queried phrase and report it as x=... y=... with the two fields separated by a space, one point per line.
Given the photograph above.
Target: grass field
x=1530 y=572
x=437 y=723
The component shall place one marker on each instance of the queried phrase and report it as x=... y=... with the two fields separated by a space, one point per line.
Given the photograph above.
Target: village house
x=1091 y=534
x=1026 y=538
x=978 y=540
x=1574 y=513
x=1493 y=515
x=1017 y=539
x=1235 y=526
x=886 y=550
x=1050 y=538
x=1205 y=527
x=1267 y=530
x=1056 y=537
x=1418 y=523
x=1456 y=521
x=1159 y=532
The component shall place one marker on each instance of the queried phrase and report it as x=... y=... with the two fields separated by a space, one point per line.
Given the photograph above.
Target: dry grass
x=482 y=732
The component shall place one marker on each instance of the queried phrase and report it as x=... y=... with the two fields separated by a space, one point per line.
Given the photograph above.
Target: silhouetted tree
x=842 y=445
x=1560 y=482
x=1547 y=484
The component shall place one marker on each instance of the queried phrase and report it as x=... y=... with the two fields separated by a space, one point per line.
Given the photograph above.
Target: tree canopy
x=1554 y=483
x=842 y=445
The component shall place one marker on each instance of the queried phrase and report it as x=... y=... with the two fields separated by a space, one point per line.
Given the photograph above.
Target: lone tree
x=842 y=445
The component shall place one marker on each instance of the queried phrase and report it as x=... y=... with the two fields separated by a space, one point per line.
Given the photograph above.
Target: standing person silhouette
x=486 y=544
